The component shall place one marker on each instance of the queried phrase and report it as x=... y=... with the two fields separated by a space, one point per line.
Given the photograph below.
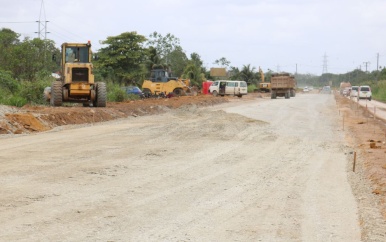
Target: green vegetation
x=127 y=59
x=379 y=90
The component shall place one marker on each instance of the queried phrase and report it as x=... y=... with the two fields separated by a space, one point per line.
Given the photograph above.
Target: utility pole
x=366 y=63
x=377 y=66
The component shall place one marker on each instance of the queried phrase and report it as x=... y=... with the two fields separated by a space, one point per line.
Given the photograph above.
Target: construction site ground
x=197 y=168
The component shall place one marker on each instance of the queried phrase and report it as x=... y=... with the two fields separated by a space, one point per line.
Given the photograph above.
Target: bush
x=33 y=91
x=251 y=88
x=379 y=90
x=16 y=101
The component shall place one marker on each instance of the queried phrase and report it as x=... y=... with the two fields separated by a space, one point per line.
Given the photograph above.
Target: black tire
x=215 y=94
x=56 y=94
x=178 y=91
x=273 y=95
x=369 y=98
x=100 y=99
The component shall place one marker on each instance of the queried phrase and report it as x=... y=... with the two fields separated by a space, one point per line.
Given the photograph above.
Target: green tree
x=222 y=62
x=234 y=73
x=178 y=61
x=248 y=74
x=166 y=47
x=33 y=59
x=8 y=40
x=124 y=57
x=194 y=70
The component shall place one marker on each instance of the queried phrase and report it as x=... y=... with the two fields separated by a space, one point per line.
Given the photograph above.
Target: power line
x=25 y=22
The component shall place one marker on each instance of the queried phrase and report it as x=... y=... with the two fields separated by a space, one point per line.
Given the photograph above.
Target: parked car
x=364 y=92
x=305 y=89
x=133 y=90
x=326 y=90
x=354 y=91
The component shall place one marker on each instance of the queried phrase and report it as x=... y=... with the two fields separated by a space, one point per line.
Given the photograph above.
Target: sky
x=304 y=36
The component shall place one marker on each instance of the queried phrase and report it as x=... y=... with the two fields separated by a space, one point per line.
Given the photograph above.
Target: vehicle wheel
x=86 y=104
x=178 y=91
x=146 y=93
x=369 y=98
x=100 y=99
x=240 y=96
x=56 y=94
x=273 y=95
x=286 y=95
x=215 y=93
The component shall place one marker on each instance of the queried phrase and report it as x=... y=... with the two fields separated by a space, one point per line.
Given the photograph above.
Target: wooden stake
x=355 y=160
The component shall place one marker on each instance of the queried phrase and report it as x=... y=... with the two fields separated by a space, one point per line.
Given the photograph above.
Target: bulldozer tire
x=56 y=94
x=100 y=99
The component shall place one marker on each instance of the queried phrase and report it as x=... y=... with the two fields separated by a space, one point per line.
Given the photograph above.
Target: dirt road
x=258 y=170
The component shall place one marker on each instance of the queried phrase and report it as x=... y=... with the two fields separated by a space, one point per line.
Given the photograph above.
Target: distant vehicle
x=305 y=89
x=225 y=87
x=343 y=85
x=364 y=92
x=354 y=91
x=346 y=91
x=326 y=90
x=133 y=90
x=283 y=85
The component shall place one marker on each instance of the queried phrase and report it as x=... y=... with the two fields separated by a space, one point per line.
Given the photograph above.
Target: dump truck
x=162 y=83
x=76 y=80
x=283 y=85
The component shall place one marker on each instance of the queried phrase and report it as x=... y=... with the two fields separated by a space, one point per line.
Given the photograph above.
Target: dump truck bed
x=282 y=82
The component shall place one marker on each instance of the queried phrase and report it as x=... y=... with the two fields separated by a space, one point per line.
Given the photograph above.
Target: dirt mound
x=30 y=119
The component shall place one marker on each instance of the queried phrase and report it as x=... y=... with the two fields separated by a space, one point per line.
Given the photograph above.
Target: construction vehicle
x=283 y=85
x=264 y=86
x=76 y=81
x=161 y=83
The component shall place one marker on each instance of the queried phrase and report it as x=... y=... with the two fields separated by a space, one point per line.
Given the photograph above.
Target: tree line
x=127 y=59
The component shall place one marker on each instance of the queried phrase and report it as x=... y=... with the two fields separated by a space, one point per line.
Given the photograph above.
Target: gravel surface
x=257 y=170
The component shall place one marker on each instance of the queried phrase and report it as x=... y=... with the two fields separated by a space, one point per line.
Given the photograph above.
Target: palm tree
x=248 y=74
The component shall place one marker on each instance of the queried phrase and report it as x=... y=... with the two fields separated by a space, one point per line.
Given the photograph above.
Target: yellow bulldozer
x=76 y=81
x=161 y=83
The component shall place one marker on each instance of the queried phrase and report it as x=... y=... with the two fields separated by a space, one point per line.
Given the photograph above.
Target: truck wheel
x=273 y=95
x=100 y=99
x=215 y=93
x=56 y=94
x=287 y=95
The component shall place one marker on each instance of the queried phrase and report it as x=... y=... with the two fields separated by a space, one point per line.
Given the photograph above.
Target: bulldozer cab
x=77 y=54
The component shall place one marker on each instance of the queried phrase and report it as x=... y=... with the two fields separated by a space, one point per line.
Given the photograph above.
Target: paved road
x=258 y=170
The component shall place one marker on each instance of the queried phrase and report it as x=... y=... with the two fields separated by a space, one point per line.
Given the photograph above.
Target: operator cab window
x=77 y=54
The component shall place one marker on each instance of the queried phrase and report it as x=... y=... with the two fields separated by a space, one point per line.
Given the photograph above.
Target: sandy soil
x=253 y=169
